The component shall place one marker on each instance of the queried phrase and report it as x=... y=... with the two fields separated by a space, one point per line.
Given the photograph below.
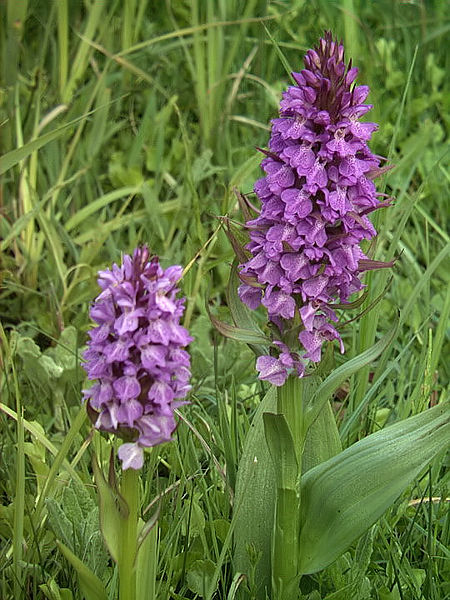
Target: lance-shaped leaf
x=282 y=450
x=147 y=560
x=238 y=239
x=285 y=535
x=255 y=500
x=342 y=497
x=251 y=336
x=110 y=515
x=237 y=333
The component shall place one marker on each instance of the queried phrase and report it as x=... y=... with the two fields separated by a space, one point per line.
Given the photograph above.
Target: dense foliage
x=123 y=125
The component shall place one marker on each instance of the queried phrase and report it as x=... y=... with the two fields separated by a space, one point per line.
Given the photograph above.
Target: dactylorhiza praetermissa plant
x=315 y=198
x=136 y=355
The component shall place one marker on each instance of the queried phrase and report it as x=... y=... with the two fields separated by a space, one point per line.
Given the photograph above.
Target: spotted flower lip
x=136 y=354
x=315 y=195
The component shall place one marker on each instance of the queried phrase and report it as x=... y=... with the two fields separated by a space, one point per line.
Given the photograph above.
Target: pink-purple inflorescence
x=315 y=198
x=136 y=354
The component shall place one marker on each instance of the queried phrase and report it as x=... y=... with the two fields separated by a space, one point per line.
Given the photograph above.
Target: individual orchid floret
x=315 y=198
x=136 y=354
x=276 y=370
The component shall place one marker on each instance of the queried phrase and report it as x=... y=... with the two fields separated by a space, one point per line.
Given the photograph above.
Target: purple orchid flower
x=314 y=197
x=136 y=354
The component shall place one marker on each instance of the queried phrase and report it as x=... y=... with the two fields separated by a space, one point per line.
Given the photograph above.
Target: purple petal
x=314 y=287
x=132 y=456
x=129 y=412
x=279 y=303
x=127 y=387
x=156 y=429
x=271 y=369
x=153 y=355
x=161 y=393
x=312 y=343
x=293 y=264
x=297 y=202
x=251 y=296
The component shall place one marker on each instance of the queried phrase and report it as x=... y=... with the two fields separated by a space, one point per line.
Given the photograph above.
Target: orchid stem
x=285 y=543
x=128 y=535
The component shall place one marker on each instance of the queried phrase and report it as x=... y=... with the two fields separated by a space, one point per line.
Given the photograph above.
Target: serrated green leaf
x=38 y=367
x=72 y=507
x=343 y=496
x=36 y=455
x=27 y=348
x=90 y=585
x=64 y=354
x=59 y=523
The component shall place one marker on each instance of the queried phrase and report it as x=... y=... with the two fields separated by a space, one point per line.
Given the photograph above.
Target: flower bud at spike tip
x=314 y=199
x=136 y=355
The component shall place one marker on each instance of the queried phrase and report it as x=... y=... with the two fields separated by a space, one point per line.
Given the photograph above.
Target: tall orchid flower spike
x=315 y=198
x=136 y=354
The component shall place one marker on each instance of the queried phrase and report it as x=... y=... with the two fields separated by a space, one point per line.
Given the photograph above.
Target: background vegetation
x=131 y=122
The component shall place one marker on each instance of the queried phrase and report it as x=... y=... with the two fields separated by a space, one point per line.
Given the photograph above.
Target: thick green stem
x=128 y=535
x=285 y=543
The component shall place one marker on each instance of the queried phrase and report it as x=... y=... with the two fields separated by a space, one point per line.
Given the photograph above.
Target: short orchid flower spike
x=136 y=354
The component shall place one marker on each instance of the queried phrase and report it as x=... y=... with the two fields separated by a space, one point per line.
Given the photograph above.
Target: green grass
x=123 y=124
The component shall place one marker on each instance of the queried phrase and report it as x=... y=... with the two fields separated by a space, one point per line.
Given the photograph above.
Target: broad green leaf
x=345 y=495
x=90 y=585
x=256 y=482
x=52 y=591
x=255 y=500
x=200 y=577
x=322 y=440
